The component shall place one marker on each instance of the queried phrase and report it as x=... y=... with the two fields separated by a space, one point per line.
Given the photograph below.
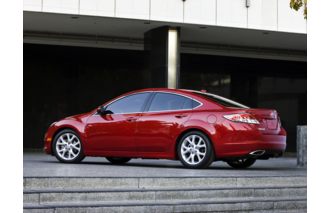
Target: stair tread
x=31 y=191
x=165 y=202
x=169 y=177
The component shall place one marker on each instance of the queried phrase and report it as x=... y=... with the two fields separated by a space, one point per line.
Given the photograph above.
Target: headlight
x=53 y=123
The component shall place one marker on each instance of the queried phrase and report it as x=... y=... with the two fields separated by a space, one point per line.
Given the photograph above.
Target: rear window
x=221 y=100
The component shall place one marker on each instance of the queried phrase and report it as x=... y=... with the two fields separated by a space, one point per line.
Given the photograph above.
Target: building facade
x=80 y=53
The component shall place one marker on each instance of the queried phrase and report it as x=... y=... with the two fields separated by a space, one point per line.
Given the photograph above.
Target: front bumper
x=47 y=145
x=48 y=138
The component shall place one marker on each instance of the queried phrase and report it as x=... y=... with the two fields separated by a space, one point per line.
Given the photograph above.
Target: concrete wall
x=274 y=15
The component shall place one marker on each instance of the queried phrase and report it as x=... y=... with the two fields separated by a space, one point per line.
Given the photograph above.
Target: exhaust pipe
x=257 y=153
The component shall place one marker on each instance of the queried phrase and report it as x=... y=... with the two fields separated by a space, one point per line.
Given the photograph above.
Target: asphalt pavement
x=41 y=165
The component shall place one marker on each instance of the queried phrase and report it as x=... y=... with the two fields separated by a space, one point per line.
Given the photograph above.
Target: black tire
x=241 y=163
x=209 y=153
x=80 y=154
x=118 y=160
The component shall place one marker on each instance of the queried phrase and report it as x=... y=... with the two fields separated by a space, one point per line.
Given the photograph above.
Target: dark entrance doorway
x=281 y=85
x=60 y=81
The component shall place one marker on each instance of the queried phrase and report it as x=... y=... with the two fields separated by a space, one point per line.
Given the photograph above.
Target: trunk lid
x=268 y=118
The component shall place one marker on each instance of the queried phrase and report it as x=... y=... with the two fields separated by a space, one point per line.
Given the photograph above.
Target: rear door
x=160 y=124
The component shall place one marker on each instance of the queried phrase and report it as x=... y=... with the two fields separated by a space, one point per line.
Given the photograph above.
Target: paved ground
x=42 y=165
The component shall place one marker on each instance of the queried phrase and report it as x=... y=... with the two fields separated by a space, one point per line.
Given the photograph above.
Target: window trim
x=201 y=94
x=147 y=104
x=142 y=108
x=170 y=110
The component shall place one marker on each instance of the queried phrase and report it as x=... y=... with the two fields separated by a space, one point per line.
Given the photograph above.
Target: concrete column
x=163 y=46
x=302 y=146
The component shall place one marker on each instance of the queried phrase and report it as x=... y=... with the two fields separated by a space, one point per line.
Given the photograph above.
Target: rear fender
x=199 y=125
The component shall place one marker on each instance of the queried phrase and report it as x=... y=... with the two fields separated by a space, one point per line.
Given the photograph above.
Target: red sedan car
x=195 y=127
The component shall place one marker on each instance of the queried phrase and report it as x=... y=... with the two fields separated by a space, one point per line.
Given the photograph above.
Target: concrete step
x=165 y=194
x=283 y=204
x=79 y=183
x=160 y=194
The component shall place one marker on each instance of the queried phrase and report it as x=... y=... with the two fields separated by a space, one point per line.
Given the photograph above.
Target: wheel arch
x=59 y=130
x=190 y=130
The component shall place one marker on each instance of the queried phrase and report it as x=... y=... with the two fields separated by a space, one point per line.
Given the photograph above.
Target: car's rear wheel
x=195 y=150
x=241 y=163
x=118 y=160
x=67 y=147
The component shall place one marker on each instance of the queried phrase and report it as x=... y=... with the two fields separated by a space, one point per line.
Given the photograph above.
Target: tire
x=118 y=160
x=241 y=163
x=195 y=150
x=67 y=147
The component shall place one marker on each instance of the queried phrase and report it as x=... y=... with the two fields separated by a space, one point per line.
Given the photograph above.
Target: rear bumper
x=273 y=145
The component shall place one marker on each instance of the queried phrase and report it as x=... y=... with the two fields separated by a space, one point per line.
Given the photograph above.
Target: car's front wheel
x=241 y=163
x=118 y=160
x=195 y=150
x=67 y=147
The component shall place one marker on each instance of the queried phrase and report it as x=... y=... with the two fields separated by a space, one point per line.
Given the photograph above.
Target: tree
x=297 y=4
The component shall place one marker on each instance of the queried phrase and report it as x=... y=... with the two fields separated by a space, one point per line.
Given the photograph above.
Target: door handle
x=131 y=119
x=181 y=115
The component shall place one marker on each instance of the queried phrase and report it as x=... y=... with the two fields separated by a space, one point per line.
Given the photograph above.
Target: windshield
x=221 y=100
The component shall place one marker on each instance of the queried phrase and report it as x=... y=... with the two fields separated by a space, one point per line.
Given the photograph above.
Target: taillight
x=242 y=117
x=279 y=122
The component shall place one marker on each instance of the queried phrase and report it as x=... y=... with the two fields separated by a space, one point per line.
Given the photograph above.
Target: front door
x=113 y=134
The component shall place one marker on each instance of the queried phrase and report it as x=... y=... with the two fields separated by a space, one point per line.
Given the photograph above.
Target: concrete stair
x=165 y=194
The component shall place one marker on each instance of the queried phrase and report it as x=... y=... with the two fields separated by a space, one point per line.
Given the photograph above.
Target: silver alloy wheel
x=68 y=146
x=193 y=149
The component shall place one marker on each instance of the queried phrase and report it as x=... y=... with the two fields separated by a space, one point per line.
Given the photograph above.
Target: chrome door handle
x=131 y=119
x=181 y=115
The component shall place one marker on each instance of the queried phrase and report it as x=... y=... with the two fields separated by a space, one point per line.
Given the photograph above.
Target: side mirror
x=102 y=111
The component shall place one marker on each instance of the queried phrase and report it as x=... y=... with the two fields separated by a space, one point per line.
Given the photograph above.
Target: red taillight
x=242 y=117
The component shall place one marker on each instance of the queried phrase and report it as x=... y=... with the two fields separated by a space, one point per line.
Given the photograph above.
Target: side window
x=129 y=104
x=187 y=103
x=195 y=104
x=166 y=101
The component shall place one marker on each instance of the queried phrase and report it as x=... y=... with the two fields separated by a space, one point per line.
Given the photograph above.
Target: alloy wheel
x=68 y=146
x=193 y=149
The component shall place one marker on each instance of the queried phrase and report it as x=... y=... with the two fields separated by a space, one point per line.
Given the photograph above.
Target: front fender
x=75 y=125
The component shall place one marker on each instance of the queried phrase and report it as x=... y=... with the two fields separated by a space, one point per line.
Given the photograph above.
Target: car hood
x=80 y=117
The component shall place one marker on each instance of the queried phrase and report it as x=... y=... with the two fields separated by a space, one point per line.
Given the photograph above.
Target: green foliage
x=297 y=4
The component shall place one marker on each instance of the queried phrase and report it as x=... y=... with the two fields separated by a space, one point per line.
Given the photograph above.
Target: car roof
x=178 y=91
x=164 y=90
x=192 y=94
